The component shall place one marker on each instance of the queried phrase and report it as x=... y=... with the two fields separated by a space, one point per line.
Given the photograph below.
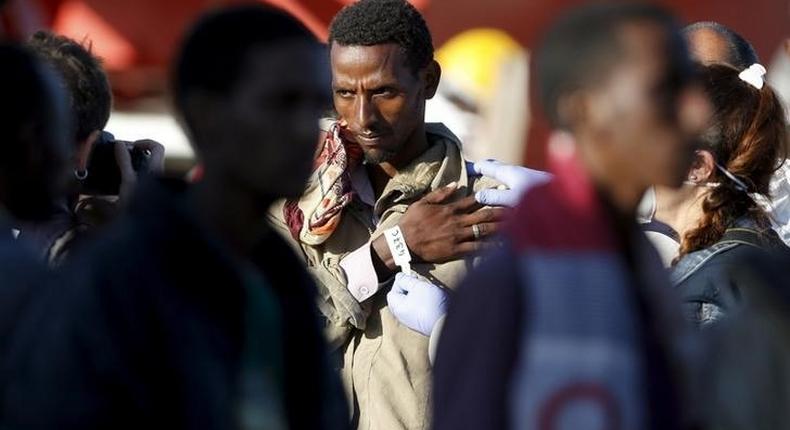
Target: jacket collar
x=694 y=261
x=438 y=166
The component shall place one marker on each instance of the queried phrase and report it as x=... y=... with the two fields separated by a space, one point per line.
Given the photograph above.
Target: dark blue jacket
x=22 y=277
x=704 y=278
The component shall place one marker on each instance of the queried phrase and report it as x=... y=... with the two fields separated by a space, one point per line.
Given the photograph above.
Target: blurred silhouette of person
x=191 y=312
x=76 y=217
x=34 y=161
x=581 y=329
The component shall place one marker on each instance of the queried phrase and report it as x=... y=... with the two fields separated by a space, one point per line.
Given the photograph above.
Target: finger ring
x=476 y=231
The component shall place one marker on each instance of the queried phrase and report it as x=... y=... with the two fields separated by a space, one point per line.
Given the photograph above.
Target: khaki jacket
x=385 y=365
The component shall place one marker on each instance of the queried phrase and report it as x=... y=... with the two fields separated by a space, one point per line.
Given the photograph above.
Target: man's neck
x=380 y=174
x=234 y=215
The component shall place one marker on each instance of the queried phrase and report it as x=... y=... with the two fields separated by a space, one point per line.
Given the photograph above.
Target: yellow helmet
x=471 y=60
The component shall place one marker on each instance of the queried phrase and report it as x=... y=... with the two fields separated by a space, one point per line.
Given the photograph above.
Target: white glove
x=416 y=303
x=518 y=179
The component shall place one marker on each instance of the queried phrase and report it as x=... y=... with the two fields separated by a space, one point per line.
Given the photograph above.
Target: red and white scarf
x=314 y=217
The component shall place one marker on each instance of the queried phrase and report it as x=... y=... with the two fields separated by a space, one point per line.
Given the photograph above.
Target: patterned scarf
x=328 y=190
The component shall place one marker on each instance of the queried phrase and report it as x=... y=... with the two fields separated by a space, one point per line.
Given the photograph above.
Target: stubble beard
x=378 y=156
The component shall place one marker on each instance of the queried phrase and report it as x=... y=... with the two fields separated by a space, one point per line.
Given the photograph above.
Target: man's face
x=380 y=97
x=268 y=127
x=647 y=112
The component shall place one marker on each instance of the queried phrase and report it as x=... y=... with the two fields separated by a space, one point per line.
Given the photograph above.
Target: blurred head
x=86 y=87
x=618 y=77
x=383 y=72
x=250 y=84
x=34 y=147
x=711 y=42
x=746 y=138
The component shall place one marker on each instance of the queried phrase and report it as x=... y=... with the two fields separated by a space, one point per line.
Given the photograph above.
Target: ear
x=84 y=149
x=703 y=167
x=431 y=75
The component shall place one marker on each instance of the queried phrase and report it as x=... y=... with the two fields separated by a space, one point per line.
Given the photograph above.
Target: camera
x=104 y=175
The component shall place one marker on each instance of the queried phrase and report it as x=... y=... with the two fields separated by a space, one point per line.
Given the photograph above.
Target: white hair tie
x=754 y=75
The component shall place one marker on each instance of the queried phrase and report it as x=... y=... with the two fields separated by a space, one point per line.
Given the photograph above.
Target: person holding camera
x=105 y=169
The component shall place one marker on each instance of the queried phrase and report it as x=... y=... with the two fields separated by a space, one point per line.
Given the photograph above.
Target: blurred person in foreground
x=581 y=330
x=191 y=312
x=101 y=164
x=389 y=193
x=34 y=161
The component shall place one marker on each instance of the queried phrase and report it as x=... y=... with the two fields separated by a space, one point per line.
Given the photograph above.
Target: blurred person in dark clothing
x=191 y=312
x=582 y=328
x=34 y=157
x=75 y=218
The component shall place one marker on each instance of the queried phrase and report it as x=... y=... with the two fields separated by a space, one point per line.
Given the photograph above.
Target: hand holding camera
x=115 y=165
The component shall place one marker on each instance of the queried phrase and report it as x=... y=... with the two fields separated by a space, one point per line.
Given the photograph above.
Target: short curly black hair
x=86 y=82
x=377 y=22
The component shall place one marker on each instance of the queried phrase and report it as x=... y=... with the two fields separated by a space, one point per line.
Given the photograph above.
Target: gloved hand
x=517 y=179
x=416 y=303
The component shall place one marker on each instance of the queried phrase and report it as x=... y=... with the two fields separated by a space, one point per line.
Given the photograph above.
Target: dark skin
x=257 y=141
x=632 y=129
x=380 y=100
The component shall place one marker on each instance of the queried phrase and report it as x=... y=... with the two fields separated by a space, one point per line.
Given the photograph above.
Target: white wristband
x=398 y=249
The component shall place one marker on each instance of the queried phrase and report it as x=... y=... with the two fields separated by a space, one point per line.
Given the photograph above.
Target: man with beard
x=389 y=193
